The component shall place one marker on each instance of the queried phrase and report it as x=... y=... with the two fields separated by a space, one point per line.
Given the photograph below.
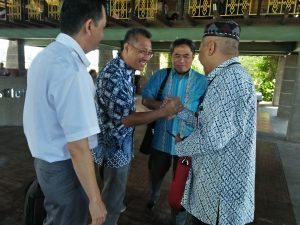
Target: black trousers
x=159 y=164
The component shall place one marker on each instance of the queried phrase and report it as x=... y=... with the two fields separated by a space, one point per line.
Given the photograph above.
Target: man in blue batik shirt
x=117 y=117
x=221 y=183
x=189 y=85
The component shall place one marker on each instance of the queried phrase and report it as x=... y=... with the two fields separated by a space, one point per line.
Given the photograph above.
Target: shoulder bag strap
x=163 y=84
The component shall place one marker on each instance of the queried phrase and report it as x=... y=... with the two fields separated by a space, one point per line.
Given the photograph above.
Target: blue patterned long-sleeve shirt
x=221 y=182
x=115 y=100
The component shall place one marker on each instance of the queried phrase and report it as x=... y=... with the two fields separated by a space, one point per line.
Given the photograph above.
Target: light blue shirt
x=221 y=182
x=59 y=103
x=189 y=87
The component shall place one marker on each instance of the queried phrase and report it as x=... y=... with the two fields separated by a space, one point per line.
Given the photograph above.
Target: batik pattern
x=115 y=100
x=221 y=181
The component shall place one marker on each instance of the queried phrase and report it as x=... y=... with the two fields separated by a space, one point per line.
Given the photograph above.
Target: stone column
x=15 y=59
x=287 y=87
x=105 y=55
x=152 y=66
x=279 y=78
x=293 y=131
x=21 y=57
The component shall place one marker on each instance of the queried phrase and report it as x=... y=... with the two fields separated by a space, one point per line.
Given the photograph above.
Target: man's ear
x=125 y=47
x=211 y=46
x=88 y=26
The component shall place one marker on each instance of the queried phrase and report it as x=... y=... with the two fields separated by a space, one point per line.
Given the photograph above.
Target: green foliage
x=263 y=71
x=165 y=60
x=197 y=65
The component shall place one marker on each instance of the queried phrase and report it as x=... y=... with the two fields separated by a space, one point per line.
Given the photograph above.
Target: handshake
x=171 y=106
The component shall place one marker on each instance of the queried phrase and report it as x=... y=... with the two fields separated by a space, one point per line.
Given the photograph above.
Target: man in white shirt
x=60 y=118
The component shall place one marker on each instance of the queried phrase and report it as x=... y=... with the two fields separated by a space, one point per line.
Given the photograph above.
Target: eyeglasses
x=143 y=52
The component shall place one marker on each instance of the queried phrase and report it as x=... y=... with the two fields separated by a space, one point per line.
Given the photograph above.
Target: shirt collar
x=71 y=43
x=219 y=68
x=128 y=69
x=186 y=75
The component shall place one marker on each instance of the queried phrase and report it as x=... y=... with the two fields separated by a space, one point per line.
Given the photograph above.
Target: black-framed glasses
x=144 y=52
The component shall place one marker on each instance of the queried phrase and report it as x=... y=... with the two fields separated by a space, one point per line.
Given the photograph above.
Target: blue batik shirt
x=115 y=100
x=221 y=182
x=189 y=87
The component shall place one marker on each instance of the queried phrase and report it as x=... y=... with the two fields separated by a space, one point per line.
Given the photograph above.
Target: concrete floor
x=273 y=129
x=16 y=170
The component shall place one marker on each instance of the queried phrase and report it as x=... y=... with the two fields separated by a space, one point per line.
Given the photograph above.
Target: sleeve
x=188 y=116
x=74 y=105
x=152 y=86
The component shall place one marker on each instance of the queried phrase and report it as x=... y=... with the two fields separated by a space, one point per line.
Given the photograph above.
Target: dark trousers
x=65 y=202
x=114 y=187
x=159 y=164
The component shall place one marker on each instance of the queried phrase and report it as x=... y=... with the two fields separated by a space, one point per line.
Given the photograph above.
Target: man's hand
x=98 y=212
x=85 y=170
x=172 y=106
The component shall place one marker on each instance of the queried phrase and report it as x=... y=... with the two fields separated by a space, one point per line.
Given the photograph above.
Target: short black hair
x=74 y=13
x=183 y=41
x=132 y=34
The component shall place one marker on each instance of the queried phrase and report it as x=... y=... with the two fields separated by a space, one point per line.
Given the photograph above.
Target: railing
x=14 y=9
x=146 y=9
x=143 y=9
x=120 y=9
x=31 y=10
x=208 y=8
x=42 y=10
x=35 y=9
x=276 y=7
x=53 y=9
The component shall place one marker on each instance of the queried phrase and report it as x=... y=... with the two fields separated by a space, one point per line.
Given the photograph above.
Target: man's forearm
x=151 y=103
x=140 y=118
x=84 y=168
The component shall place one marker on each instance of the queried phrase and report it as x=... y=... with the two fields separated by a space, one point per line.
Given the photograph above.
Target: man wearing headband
x=221 y=184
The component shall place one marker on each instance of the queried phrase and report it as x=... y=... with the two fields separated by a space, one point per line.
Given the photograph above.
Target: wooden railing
x=41 y=10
